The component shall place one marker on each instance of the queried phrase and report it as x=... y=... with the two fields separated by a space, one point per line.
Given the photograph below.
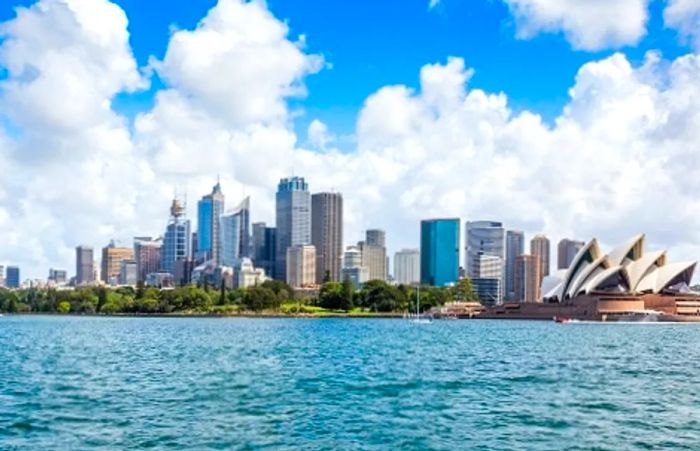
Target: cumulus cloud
x=684 y=15
x=621 y=158
x=588 y=25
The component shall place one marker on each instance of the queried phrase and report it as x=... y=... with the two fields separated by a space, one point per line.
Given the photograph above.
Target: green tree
x=348 y=295
x=464 y=291
x=140 y=289
x=260 y=298
x=222 y=292
x=330 y=296
x=63 y=307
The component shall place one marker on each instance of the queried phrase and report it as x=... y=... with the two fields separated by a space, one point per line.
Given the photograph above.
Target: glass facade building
x=12 y=279
x=209 y=211
x=439 y=253
x=177 y=239
x=293 y=217
x=515 y=246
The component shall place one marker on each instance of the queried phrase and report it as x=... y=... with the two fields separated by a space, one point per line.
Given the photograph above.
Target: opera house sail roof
x=627 y=269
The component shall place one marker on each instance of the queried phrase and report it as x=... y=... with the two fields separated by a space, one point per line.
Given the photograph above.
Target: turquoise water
x=172 y=383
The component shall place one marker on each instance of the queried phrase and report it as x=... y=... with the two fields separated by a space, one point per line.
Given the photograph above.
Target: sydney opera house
x=625 y=283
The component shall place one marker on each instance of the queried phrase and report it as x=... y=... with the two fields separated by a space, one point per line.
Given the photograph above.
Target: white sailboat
x=418 y=318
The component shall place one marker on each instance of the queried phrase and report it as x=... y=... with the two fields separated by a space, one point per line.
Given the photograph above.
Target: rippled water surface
x=174 y=383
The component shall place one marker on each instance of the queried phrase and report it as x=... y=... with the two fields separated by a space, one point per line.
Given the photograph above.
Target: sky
x=573 y=119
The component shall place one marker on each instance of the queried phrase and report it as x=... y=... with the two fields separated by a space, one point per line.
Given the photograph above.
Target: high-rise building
x=327 y=234
x=293 y=216
x=527 y=278
x=485 y=237
x=439 y=252
x=539 y=246
x=566 y=251
x=235 y=234
x=353 y=269
x=84 y=265
x=2 y=276
x=407 y=266
x=374 y=254
x=128 y=272
x=12 y=279
x=112 y=257
x=375 y=237
x=147 y=253
x=58 y=276
x=515 y=245
x=182 y=271
x=177 y=239
x=301 y=266
x=209 y=211
x=264 y=244
x=487 y=279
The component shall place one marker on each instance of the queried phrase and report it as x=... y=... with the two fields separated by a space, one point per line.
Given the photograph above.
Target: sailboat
x=418 y=318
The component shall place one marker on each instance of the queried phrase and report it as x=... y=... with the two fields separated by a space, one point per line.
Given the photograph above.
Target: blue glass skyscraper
x=12 y=277
x=177 y=239
x=209 y=211
x=439 y=253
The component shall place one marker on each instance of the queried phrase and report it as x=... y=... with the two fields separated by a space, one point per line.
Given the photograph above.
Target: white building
x=407 y=266
x=247 y=275
x=353 y=268
x=301 y=266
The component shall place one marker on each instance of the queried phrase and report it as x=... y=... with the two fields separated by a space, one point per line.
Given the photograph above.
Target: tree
x=140 y=288
x=348 y=294
x=327 y=276
x=464 y=291
x=331 y=296
x=222 y=292
x=260 y=298
x=63 y=307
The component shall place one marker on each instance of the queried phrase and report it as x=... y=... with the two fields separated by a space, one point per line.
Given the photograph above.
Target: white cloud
x=587 y=25
x=684 y=15
x=621 y=158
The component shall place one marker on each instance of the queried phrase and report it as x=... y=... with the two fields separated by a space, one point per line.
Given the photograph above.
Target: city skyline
x=413 y=119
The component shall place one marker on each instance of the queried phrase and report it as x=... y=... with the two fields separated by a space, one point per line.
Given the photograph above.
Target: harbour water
x=204 y=383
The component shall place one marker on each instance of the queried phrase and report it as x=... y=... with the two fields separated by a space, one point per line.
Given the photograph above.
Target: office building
x=301 y=266
x=407 y=266
x=147 y=253
x=374 y=254
x=112 y=257
x=177 y=239
x=353 y=269
x=515 y=246
x=439 y=251
x=12 y=278
x=182 y=272
x=84 y=265
x=293 y=217
x=539 y=246
x=209 y=211
x=128 y=273
x=527 y=278
x=487 y=279
x=483 y=237
x=235 y=234
x=327 y=234
x=248 y=275
x=58 y=276
x=566 y=252
x=264 y=244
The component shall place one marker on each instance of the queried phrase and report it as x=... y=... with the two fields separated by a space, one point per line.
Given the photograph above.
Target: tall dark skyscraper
x=209 y=211
x=264 y=244
x=439 y=252
x=566 y=251
x=293 y=217
x=327 y=234
x=84 y=265
x=12 y=278
x=515 y=246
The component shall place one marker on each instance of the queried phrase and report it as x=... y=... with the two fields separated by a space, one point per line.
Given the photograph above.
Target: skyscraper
x=58 y=276
x=407 y=266
x=515 y=246
x=128 y=274
x=539 y=246
x=84 y=265
x=527 y=278
x=112 y=257
x=566 y=251
x=147 y=253
x=353 y=270
x=439 y=251
x=12 y=279
x=327 y=234
x=301 y=266
x=264 y=244
x=209 y=211
x=486 y=237
x=235 y=234
x=293 y=217
x=374 y=254
x=177 y=239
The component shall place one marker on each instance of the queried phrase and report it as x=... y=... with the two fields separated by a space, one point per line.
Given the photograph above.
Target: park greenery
x=271 y=297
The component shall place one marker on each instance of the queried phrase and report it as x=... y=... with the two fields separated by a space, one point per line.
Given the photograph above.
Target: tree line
x=271 y=296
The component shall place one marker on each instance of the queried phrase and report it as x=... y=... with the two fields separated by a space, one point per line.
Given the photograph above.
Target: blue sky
x=371 y=44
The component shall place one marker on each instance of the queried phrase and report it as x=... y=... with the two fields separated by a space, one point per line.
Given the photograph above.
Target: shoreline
x=214 y=315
